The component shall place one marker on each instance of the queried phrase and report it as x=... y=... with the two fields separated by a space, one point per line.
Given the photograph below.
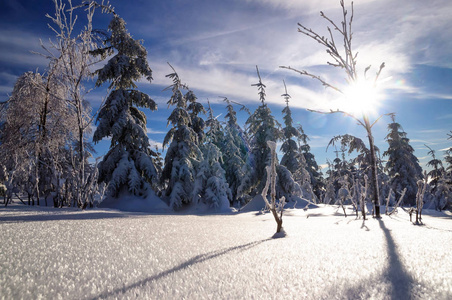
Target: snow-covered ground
x=95 y=254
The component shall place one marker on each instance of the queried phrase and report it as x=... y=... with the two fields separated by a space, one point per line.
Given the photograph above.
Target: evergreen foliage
x=402 y=166
x=129 y=163
x=183 y=154
x=292 y=156
x=211 y=186
x=262 y=127
x=235 y=151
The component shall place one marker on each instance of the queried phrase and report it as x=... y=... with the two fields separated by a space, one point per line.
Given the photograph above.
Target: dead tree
x=276 y=210
x=345 y=59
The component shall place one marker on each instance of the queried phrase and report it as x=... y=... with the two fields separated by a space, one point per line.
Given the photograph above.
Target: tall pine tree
x=292 y=157
x=262 y=127
x=402 y=165
x=183 y=154
x=235 y=151
x=129 y=163
x=211 y=185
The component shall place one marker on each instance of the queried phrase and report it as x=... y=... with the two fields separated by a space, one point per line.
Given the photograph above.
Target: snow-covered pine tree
x=129 y=163
x=235 y=151
x=310 y=164
x=262 y=127
x=402 y=165
x=183 y=153
x=195 y=108
x=448 y=158
x=439 y=187
x=292 y=156
x=291 y=169
x=210 y=178
x=437 y=169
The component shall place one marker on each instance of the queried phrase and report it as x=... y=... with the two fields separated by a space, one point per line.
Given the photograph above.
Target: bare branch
x=339 y=111
x=378 y=119
x=303 y=72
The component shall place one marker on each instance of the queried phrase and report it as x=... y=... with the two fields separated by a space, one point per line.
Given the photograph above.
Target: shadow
x=317 y=215
x=400 y=280
x=365 y=226
x=279 y=235
x=193 y=261
x=60 y=216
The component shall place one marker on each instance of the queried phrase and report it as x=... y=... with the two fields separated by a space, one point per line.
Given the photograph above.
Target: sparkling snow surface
x=97 y=254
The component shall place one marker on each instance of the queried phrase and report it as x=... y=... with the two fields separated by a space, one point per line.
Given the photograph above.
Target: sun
x=361 y=97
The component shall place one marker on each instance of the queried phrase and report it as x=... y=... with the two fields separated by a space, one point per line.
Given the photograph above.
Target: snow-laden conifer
x=129 y=163
x=292 y=156
x=183 y=154
x=310 y=164
x=235 y=151
x=262 y=127
x=402 y=165
x=211 y=187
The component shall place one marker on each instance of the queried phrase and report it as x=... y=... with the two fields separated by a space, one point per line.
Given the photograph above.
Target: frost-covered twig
x=398 y=202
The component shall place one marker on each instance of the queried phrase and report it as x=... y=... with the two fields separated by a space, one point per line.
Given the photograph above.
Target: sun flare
x=361 y=98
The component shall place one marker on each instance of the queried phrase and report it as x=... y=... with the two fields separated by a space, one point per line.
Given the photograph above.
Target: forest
x=46 y=137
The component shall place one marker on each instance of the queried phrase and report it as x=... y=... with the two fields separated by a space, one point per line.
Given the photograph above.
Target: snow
x=130 y=203
x=109 y=254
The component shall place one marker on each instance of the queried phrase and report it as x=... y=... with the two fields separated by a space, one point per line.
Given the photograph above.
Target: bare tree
x=345 y=59
x=71 y=65
x=276 y=210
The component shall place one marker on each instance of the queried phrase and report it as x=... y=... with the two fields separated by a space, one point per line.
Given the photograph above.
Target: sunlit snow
x=95 y=254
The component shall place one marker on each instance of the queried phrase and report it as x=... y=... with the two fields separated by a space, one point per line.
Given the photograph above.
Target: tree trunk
x=373 y=161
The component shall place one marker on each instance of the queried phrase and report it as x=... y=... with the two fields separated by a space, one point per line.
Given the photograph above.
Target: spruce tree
x=235 y=151
x=402 y=165
x=183 y=154
x=448 y=159
x=292 y=156
x=262 y=127
x=309 y=163
x=210 y=184
x=129 y=164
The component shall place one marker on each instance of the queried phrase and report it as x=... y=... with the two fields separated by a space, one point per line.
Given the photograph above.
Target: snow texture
x=108 y=254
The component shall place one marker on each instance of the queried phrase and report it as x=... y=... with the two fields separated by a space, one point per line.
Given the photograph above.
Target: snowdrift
x=258 y=204
x=130 y=203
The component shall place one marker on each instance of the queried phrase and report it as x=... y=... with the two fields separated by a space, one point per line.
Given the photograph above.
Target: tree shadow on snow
x=396 y=273
x=193 y=261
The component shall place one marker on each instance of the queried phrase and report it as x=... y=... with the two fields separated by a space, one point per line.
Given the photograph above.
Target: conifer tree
x=183 y=153
x=448 y=159
x=129 y=164
x=210 y=184
x=292 y=156
x=402 y=165
x=439 y=187
x=438 y=169
x=262 y=127
x=235 y=151
x=309 y=163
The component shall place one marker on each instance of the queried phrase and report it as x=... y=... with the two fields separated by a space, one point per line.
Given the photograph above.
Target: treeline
x=46 y=127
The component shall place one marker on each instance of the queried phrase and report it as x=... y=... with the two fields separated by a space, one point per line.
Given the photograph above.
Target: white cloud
x=152 y=131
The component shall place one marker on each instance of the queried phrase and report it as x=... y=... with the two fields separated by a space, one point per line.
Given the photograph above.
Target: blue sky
x=215 y=46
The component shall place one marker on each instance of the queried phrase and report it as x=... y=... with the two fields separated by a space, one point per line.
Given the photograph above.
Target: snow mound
x=298 y=202
x=258 y=204
x=255 y=204
x=131 y=203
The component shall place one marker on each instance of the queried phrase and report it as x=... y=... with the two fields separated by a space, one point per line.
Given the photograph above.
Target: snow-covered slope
x=94 y=254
